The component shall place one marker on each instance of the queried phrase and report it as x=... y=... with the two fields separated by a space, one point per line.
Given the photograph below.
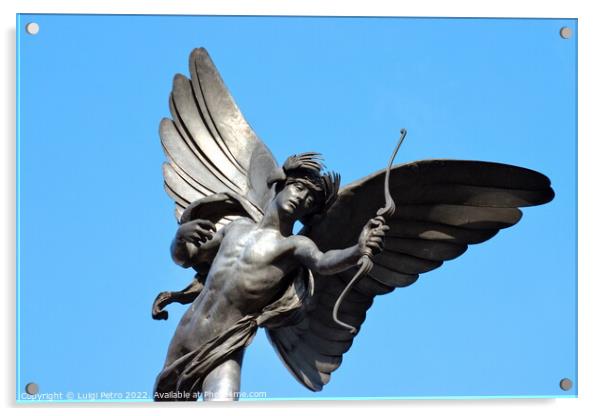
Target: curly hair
x=307 y=168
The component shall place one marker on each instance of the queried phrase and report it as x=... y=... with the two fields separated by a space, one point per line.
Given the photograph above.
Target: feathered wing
x=217 y=167
x=443 y=206
x=210 y=147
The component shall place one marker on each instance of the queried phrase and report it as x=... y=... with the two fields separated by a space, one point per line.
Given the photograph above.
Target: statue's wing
x=210 y=147
x=442 y=207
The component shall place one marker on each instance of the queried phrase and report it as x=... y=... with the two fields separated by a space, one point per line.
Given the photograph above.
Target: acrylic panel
x=95 y=224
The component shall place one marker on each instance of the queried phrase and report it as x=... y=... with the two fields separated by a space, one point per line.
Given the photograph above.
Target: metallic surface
x=365 y=263
x=236 y=211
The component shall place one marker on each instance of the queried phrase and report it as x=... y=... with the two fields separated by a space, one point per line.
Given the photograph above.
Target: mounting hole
x=566 y=32
x=566 y=384
x=32 y=28
x=32 y=388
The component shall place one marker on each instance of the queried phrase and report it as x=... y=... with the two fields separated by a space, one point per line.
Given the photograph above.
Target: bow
x=365 y=262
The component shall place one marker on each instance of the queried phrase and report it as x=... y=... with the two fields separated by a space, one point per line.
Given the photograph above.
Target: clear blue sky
x=95 y=224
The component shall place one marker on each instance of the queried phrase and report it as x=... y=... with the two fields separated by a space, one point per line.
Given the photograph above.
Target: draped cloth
x=183 y=378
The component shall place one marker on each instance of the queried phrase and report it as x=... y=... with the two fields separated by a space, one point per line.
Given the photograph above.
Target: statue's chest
x=257 y=248
x=262 y=249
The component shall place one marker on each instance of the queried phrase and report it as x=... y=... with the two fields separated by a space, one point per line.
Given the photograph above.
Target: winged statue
x=236 y=208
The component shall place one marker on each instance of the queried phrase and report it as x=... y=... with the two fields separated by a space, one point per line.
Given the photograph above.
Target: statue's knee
x=223 y=383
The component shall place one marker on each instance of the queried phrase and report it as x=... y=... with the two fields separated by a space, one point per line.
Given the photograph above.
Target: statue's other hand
x=371 y=241
x=196 y=232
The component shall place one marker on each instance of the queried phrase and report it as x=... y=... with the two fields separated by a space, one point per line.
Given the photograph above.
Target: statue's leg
x=223 y=382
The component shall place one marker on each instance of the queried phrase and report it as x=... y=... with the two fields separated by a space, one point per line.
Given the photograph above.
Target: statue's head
x=302 y=190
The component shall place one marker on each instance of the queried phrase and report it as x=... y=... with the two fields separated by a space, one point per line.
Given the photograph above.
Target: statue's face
x=296 y=199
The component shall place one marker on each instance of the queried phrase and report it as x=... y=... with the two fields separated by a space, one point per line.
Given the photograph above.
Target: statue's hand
x=371 y=238
x=196 y=232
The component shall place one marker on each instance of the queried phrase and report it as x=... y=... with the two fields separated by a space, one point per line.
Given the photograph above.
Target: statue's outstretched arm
x=330 y=262
x=370 y=242
x=196 y=242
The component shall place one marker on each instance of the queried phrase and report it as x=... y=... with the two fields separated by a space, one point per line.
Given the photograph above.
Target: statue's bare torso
x=248 y=272
x=251 y=265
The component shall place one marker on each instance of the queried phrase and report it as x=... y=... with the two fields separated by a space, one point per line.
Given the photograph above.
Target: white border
x=590 y=133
